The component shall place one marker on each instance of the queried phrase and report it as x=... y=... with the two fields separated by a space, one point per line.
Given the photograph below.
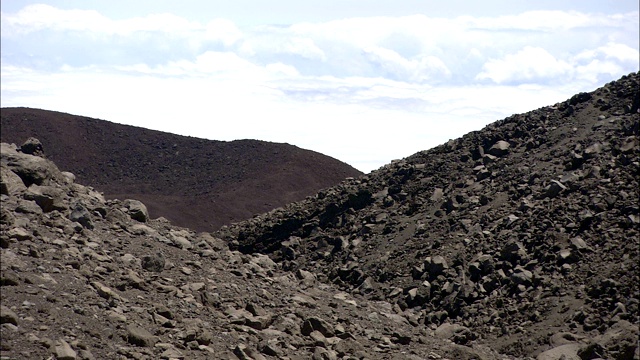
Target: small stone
x=32 y=146
x=182 y=242
x=139 y=336
x=435 y=265
x=554 y=189
x=457 y=333
x=522 y=276
x=172 y=353
x=578 y=243
x=500 y=148
x=81 y=215
x=137 y=210
x=64 y=351
x=566 y=351
x=314 y=323
x=19 y=234
x=8 y=316
x=153 y=263
x=259 y=322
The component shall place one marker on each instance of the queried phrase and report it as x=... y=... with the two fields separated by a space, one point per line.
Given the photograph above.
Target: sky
x=365 y=82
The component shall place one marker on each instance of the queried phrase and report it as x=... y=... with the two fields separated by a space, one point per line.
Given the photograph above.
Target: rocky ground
x=523 y=235
x=519 y=241
x=195 y=183
x=87 y=278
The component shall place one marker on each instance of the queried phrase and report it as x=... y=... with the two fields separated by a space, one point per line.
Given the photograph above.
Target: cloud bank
x=363 y=90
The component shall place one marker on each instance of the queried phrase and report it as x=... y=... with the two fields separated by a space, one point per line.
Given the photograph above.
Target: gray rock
x=347 y=347
x=244 y=352
x=182 y=242
x=259 y=322
x=579 y=244
x=64 y=351
x=140 y=337
x=435 y=265
x=31 y=169
x=69 y=176
x=555 y=188
x=562 y=352
x=455 y=332
x=315 y=323
x=81 y=215
x=49 y=198
x=7 y=316
x=10 y=183
x=500 y=148
x=320 y=353
x=32 y=146
x=137 y=210
x=514 y=252
x=522 y=276
x=153 y=263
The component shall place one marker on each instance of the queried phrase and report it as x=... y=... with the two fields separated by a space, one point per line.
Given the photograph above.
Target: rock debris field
x=519 y=241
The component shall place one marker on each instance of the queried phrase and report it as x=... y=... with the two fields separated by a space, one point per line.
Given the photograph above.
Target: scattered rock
x=137 y=210
x=64 y=351
x=7 y=316
x=139 y=336
x=154 y=262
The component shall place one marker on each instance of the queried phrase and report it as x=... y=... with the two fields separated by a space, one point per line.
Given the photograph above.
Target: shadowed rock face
x=193 y=182
x=523 y=230
x=472 y=250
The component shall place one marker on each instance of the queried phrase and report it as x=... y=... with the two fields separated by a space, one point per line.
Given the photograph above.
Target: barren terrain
x=196 y=183
x=519 y=241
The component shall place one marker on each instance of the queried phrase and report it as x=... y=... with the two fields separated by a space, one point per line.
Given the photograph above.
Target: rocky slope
x=82 y=277
x=519 y=241
x=195 y=183
x=522 y=236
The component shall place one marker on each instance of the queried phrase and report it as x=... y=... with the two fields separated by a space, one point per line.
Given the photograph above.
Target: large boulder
x=137 y=210
x=10 y=182
x=31 y=169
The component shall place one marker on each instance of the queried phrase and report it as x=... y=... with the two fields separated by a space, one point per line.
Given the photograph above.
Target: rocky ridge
x=82 y=277
x=522 y=236
x=515 y=242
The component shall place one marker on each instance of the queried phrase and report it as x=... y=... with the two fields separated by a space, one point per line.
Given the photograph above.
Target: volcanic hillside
x=195 y=183
x=519 y=241
x=522 y=236
x=86 y=278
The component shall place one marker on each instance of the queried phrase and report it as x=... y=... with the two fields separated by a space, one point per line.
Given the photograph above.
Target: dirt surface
x=519 y=241
x=195 y=183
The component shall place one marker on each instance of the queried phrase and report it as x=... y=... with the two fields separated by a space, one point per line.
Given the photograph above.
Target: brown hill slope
x=524 y=235
x=195 y=183
x=82 y=278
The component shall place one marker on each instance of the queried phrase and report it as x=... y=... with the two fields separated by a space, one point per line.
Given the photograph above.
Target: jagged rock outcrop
x=508 y=236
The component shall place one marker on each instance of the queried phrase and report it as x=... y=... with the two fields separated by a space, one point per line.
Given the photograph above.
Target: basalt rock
x=82 y=277
x=529 y=224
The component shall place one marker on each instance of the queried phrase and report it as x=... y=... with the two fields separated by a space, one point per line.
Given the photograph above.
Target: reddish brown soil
x=195 y=183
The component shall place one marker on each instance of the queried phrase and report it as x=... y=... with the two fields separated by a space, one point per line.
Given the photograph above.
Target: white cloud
x=613 y=51
x=421 y=69
x=530 y=64
x=340 y=87
x=276 y=43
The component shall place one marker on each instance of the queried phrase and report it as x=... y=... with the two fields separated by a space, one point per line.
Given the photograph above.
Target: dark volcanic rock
x=417 y=260
x=526 y=228
x=82 y=277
